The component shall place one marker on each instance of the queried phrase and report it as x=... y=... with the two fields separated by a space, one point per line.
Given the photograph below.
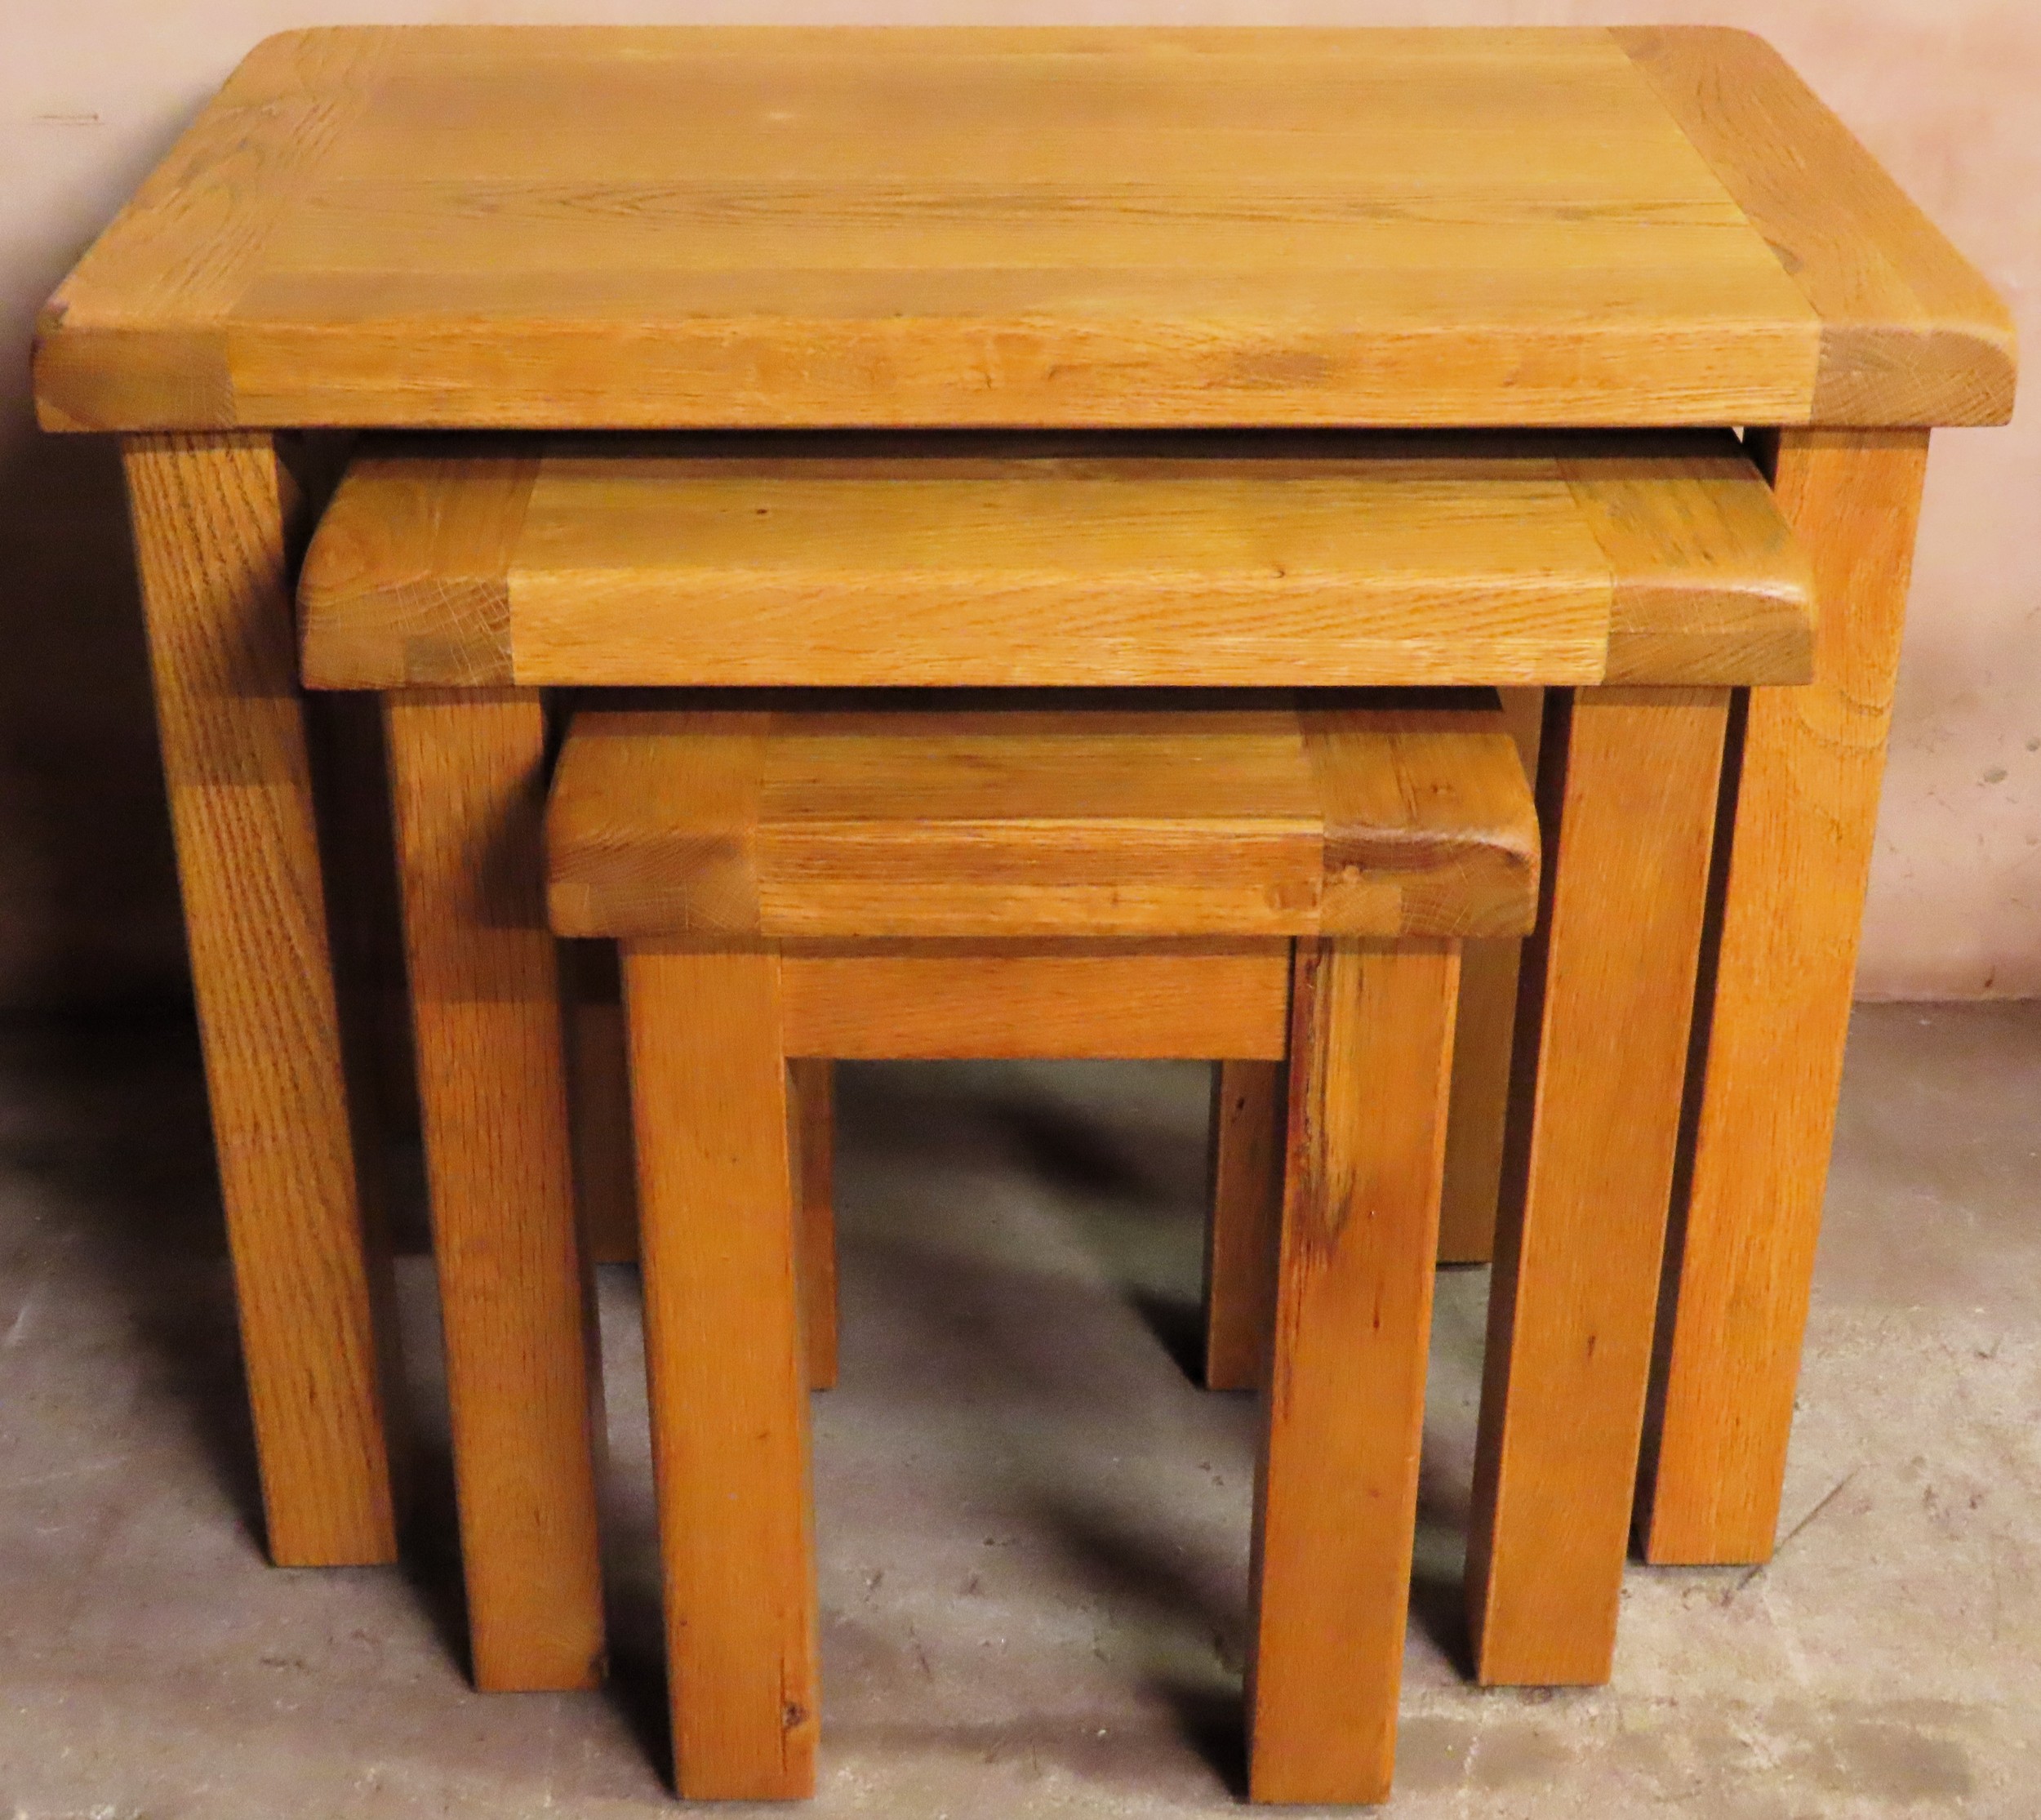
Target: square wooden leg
x=1335 y=1503
x=1245 y=1208
x=467 y=775
x=1800 y=858
x=212 y=543
x=1483 y=1045
x=606 y=1169
x=811 y=1083
x=599 y=1097
x=725 y=1366
x=1247 y=1119
x=1628 y=792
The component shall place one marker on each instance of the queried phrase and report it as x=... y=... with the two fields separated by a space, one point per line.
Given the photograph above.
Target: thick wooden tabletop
x=852 y=561
x=618 y=228
x=1109 y=821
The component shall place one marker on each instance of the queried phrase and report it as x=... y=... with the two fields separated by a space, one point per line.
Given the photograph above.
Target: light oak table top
x=1644 y=556
x=1301 y=818
x=607 y=227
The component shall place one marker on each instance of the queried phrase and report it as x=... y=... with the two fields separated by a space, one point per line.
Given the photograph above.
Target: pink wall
x=1947 y=92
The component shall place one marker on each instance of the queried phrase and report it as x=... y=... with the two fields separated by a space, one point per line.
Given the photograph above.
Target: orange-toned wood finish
x=1245 y=1174
x=1909 y=335
x=726 y=1369
x=1247 y=1115
x=1484 y=1038
x=1601 y=1052
x=609 y=228
x=1024 y=821
x=729 y=1335
x=1367 y=1030
x=1051 y=1000
x=213 y=534
x=468 y=779
x=606 y=1176
x=1206 y=561
x=811 y=1090
x=1335 y=1498
x=1806 y=812
x=389 y=228
x=599 y=1097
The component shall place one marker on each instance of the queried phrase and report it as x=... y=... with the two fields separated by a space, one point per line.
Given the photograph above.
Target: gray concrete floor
x=1033 y=1529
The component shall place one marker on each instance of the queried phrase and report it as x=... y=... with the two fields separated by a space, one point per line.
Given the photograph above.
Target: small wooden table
x=456 y=227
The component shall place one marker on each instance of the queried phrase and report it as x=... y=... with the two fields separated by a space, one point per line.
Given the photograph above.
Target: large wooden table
x=448 y=228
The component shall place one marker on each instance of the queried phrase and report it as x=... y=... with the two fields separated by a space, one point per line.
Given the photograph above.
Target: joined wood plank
x=450 y=227
x=1029 y=823
x=186 y=247
x=1429 y=825
x=1008 y=562
x=410 y=588
x=1709 y=585
x=1910 y=332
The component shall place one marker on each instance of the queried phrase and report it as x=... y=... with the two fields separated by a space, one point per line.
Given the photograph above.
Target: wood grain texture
x=1246 y=559
x=1484 y=1039
x=409 y=587
x=343 y=737
x=1335 y=1498
x=1237 y=1305
x=811 y=1141
x=1806 y=811
x=725 y=1370
x=1628 y=790
x=467 y=772
x=1107 y=560
x=1051 y=1001
x=1910 y=332
x=1429 y=828
x=1248 y=1103
x=1032 y=823
x=462 y=227
x=171 y=265
x=211 y=541
x=606 y=1174
x=1709 y=585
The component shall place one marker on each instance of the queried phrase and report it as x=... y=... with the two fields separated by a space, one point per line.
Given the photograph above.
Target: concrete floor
x=1033 y=1529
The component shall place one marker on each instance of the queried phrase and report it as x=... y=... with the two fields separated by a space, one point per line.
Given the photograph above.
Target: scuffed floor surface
x=1033 y=1530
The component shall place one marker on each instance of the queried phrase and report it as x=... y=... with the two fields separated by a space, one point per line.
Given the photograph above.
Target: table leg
x=1806 y=812
x=1243 y=1207
x=724 y=1368
x=468 y=782
x=1628 y=792
x=1482 y=1048
x=1335 y=1497
x=599 y=1101
x=1246 y=1117
x=212 y=544
x=812 y=1099
x=606 y=1170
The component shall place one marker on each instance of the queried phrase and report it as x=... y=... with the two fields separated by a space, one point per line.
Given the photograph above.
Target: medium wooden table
x=455 y=228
